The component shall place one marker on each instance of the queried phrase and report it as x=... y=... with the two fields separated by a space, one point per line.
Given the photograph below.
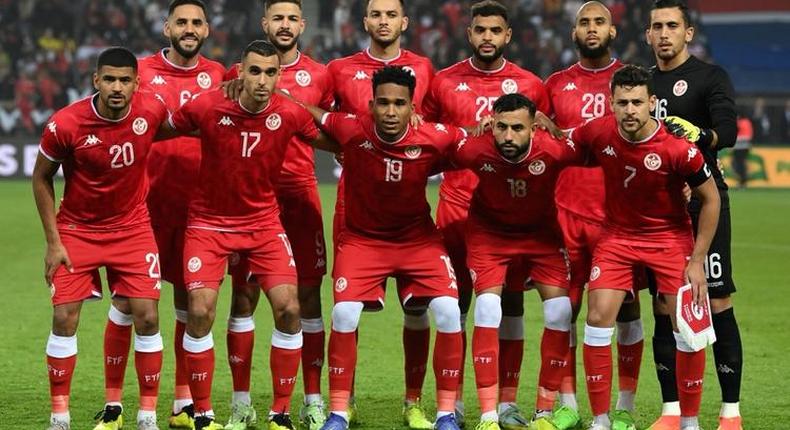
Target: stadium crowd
x=47 y=50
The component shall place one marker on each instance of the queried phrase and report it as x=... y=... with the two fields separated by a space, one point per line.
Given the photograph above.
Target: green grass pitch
x=761 y=253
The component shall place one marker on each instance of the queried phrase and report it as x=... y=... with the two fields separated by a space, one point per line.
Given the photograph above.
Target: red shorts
x=616 y=264
x=451 y=220
x=130 y=257
x=515 y=261
x=581 y=235
x=268 y=251
x=421 y=267
x=300 y=214
x=170 y=241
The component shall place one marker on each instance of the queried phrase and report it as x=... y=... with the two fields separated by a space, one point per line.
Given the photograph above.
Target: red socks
x=312 y=354
x=342 y=363
x=241 y=341
x=485 y=352
x=446 y=368
x=284 y=358
x=117 y=339
x=553 y=351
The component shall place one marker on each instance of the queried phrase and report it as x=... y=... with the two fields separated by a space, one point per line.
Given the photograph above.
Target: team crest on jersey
x=303 y=78
x=139 y=126
x=341 y=284
x=595 y=273
x=537 y=167
x=413 y=151
x=204 y=80
x=680 y=88
x=274 y=121
x=652 y=161
x=509 y=86
x=194 y=264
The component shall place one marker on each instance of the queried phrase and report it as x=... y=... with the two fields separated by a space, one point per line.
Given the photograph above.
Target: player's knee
x=345 y=316
x=286 y=311
x=65 y=319
x=146 y=320
x=310 y=302
x=598 y=318
x=447 y=314
x=488 y=310
x=720 y=304
x=557 y=313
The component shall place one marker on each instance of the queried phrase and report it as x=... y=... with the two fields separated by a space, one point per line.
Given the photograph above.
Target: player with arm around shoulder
x=645 y=169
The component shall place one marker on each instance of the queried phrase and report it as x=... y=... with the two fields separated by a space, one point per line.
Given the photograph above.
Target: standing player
x=300 y=207
x=177 y=74
x=579 y=94
x=512 y=228
x=102 y=142
x=645 y=170
x=389 y=232
x=462 y=95
x=384 y=22
x=243 y=145
x=702 y=94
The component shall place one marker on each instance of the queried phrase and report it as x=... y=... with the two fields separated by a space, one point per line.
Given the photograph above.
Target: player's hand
x=682 y=128
x=485 y=124
x=416 y=120
x=695 y=275
x=56 y=255
x=232 y=89
x=544 y=122
x=687 y=192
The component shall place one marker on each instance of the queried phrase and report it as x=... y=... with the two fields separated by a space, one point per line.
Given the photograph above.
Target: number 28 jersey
x=104 y=162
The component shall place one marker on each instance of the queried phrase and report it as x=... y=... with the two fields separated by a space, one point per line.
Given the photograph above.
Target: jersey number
x=394 y=171
x=713 y=266
x=122 y=155
x=594 y=105
x=661 y=109
x=484 y=106
x=629 y=177
x=518 y=188
x=246 y=146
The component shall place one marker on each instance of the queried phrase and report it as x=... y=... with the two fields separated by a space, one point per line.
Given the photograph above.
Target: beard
x=188 y=54
x=284 y=47
x=597 y=52
x=489 y=58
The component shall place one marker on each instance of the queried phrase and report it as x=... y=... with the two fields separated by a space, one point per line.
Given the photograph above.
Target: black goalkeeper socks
x=728 y=355
x=664 y=357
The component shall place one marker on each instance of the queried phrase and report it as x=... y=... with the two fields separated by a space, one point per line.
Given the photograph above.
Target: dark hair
x=632 y=75
x=514 y=102
x=680 y=4
x=117 y=56
x=269 y=3
x=402 y=4
x=261 y=47
x=176 y=3
x=395 y=75
x=489 y=8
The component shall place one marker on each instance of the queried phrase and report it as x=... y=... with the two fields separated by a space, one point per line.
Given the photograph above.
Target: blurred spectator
x=740 y=152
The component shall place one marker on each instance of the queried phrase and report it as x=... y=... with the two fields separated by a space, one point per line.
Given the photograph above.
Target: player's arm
x=325 y=143
x=721 y=105
x=44 y=194
x=167 y=130
x=184 y=122
x=704 y=188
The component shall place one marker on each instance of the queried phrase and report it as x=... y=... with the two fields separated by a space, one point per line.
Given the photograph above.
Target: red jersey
x=241 y=157
x=385 y=193
x=579 y=94
x=644 y=181
x=174 y=164
x=309 y=82
x=104 y=162
x=462 y=94
x=516 y=196
x=352 y=78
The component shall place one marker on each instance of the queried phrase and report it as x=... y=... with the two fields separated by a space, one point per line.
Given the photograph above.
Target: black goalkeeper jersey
x=702 y=94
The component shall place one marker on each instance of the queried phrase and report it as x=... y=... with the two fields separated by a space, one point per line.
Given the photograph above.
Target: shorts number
x=712 y=266
x=594 y=105
x=450 y=271
x=394 y=171
x=246 y=146
x=122 y=155
x=484 y=106
x=631 y=176
x=661 y=109
x=518 y=187
x=153 y=260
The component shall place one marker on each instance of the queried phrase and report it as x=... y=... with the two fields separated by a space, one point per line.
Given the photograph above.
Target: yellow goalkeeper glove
x=682 y=128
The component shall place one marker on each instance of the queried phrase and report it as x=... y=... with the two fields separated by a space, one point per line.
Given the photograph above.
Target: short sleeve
x=328 y=96
x=188 y=118
x=430 y=105
x=542 y=99
x=53 y=144
x=340 y=126
x=689 y=163
x=569 y=154
x=232 y=73
x=159 y=109
x=305 y=126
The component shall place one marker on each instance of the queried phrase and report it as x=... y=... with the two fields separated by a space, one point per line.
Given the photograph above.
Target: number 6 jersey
x=104 y=162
